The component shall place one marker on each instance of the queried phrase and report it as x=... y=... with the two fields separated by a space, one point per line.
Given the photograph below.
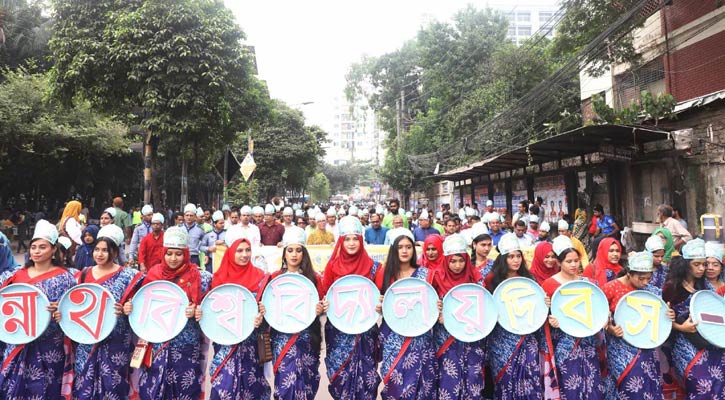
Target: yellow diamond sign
x=248 y=166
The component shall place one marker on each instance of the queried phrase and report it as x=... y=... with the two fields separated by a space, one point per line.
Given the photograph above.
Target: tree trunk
x=157 y=201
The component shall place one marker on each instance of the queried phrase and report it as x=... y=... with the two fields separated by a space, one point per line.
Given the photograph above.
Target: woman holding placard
x=102 y=369
x=296 y=357
x=576 y=359
x=544 y=265
x=460 y=364
x=698 y=364
x=634 y=371
x=351 y=360
x=514 y=359
x=173 y=369
x=235 y=370
x=606 y=266
x=40 y=369
x=409 y=363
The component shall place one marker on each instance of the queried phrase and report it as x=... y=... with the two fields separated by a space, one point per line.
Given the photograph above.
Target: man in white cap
x=533 y=226
x=270 y=231
x=141 y=230
x=488 y=211
x=563 y=229
x=201 y=220
x=544 y=229
x=332 y=221
x=193 y=230
x=320 y=235
x=424 y=228
x=258 y=215
x=287 y=217
x=151 y=248
x=212 y=239
x=494 y=227
x=246 y=228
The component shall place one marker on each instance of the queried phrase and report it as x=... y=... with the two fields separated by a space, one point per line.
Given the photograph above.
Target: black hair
x=539 y=200
x=109 y=215
x=679 y=268
x=479 y=238
x=113 y=249
x=534 y=210
x=524 y=203
x=599 y=208
x=392 y=263
x=297 y=220
x=308 y=272
x=500 y=270
x=561 y=257
x=56 y=259
x=474 y=218
x=396 y=201
x=520 y=223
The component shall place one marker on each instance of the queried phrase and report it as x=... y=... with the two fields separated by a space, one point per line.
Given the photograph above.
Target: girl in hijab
x=351 y=360
x=577 y=363
x=480 y=248
x=235 y=370
x=296 y=357
x=432 y=257
x=544 y=265
x=165 y=364
x=47 y=357
x=84 y=253
x=409 y=363
x=606 y=266
x=102 y=369
x=697 y=364
x=513 y=359
x=668 y=242
x=460 y=364
x=633 y=371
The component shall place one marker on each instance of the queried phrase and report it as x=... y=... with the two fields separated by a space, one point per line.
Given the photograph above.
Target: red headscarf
x=598 y=269
x=187 y=276
x=444 y=279
x=342 y=264
x=437 y=242
x=539 y=269
x=229 y=271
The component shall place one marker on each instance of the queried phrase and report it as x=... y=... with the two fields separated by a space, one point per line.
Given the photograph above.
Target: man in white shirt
x=248 y=229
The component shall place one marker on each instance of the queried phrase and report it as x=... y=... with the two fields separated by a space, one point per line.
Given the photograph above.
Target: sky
x=304 y=48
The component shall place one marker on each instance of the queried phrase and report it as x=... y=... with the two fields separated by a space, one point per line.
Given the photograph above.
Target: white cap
x=234 y=233
x=245 y=210
x=190 y=208
x=455 y=244
x=257 y=210
x=312 y=213
x=352 y=210
x=299 y=213
x=361 y=213
x=350 y=226
x=439 y=215
x=176 y=238
x=470 y=212
x=320 y=217
x=534 y=218
x=397 y=232
x=269 y=209
x=157 y=217
x=226 y=207
x=111 y=211
x=508 y=243
x=147 y=210
x=294 y=235
x=493 y=216
x=653 y=244
x=217 y=216
x=561 y=243
x=287 y=211
x=462 y=214
x=544 y=227
x=489 y=203
x=408 y=215
x=199 y=212
x=641 y=261
x=379 y=210
x=424 y=215
x=331 y=212
x=563 y=225
x=112 y=232
x=66 y=243
x=46 y=230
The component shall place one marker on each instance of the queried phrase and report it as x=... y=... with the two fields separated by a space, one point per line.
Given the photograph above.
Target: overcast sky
x=304 y=48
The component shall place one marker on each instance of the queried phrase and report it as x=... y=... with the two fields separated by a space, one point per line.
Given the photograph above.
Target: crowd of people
x=484 y=247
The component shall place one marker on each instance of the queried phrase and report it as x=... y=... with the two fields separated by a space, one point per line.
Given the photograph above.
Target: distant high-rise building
x=526 y=17
x=354 y=134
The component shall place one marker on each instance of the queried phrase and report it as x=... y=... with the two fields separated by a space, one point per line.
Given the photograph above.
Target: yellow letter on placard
x=512 y=295
x=582 y=295
x=653 y=317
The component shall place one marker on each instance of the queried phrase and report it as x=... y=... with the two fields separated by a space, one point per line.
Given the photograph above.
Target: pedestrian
x=84 y=253
x=47 y=356
x=606 y=265
x=165 y=364
x=102 y=369
x=513 y=359
x=151 y=249
x=270 y=231
x=351 y=360
x=481 y=246
x=460 y=364
x=142 y=229
x=409 y=364
x=432 y=257
x=69 y=224
x=213 y=239
x=194 y=231
x=235 y=370
x=296 y=357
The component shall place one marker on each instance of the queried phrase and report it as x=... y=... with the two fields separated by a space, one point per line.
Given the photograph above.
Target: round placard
x=352 y=304
x=289 y=301
x=643 y=318
x=227 y=314
x=158 y=313
x=521 y=305
x=708 y=310
x=581 y=308
x=410 y=307
x=23 y=313
x=469 y=312
x=87 y=314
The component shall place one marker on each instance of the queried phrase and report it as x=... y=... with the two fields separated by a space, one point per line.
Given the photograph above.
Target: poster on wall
x=552 y=189
x=481 y=195
x=518 y=193
x=499 y=196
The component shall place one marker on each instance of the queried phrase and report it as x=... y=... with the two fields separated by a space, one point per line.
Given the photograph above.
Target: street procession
x=425 y=200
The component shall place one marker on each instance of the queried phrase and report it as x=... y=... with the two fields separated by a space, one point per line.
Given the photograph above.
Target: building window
x=512 y=31
x=523 y=17
x=524 y=31
x=544 y=17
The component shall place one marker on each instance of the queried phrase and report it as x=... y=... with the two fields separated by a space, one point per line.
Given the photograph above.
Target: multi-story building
x=354 y=134
x=526 y=17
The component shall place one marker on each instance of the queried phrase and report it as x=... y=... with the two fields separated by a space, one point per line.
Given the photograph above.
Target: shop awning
x=574 y=143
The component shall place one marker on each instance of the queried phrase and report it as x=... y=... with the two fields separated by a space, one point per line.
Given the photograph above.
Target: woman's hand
x=615 y=330
x=190 y=310
x=553 y=321
x=688 y=326
x=127 y=308
x=325 y=305
x=319 y=308
x=670 y=312
x=440 y=311
x=118 y=309
x=547 y=301
x=197 y=314
x=379 y=306
x=53 y=309
x=260 y=316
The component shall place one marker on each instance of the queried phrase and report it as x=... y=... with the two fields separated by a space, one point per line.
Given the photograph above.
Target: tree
x=241 y=192
x=319 y=188
x=344 y=177
x=176 y=68
x=25 y=30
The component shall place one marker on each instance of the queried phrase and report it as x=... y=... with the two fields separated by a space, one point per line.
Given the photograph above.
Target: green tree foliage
x=241 y=192
x=648 y=106
x=319 y=188
x=178 y=66
x=345 y=177
x=26 y=29
x=45 y=145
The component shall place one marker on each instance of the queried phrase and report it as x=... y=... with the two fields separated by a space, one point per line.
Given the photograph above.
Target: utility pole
x=226 y=174
x=399 y=121
x=147 y=167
